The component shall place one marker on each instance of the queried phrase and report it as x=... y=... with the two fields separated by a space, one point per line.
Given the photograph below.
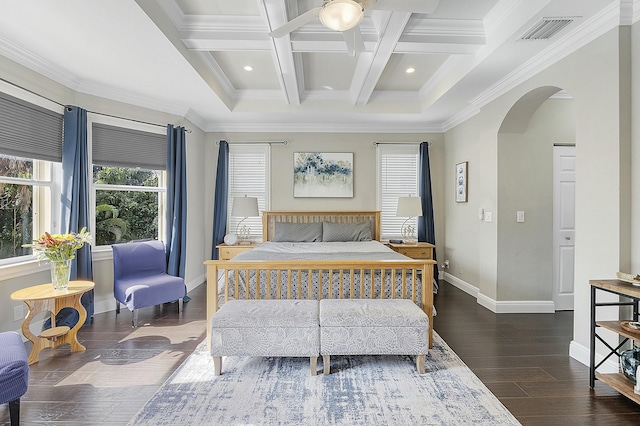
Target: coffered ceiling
x=190 y=57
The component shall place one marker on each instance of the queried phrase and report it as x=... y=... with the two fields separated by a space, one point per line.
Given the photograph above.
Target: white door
x=564 y=182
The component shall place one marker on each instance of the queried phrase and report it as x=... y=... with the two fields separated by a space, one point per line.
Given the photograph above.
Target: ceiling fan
x=346 y=15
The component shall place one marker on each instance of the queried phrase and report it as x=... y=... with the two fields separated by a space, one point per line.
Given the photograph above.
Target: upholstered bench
x=373 y=327
x=266 y=328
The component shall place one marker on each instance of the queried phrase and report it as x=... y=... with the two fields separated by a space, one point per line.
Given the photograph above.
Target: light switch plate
x=520 y=216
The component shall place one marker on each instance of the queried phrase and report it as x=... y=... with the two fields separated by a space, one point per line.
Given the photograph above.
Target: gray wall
x=525 y=182
x=596 y=77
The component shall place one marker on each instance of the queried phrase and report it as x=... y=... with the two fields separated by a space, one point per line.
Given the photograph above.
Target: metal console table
x=617 y=381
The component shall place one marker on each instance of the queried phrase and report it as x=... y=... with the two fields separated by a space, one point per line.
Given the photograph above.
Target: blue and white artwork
x=323 y=174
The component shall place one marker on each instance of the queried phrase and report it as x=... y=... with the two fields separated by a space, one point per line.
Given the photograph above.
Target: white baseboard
x=462 y=285
x=581 y=354
x=503 y=306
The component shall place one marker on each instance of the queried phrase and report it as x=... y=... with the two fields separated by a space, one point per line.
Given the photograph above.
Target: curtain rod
x=92 y=112
x=376 y=143
x=285 y=142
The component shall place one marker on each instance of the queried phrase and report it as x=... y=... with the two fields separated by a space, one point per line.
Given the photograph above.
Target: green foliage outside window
x=16 y=213
x=125 y=215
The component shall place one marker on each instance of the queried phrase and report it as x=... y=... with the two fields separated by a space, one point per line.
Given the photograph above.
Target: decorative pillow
x=360 y=231
x=298 y=232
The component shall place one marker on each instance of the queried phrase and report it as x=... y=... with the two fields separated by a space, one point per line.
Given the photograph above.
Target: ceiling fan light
x=341 y=15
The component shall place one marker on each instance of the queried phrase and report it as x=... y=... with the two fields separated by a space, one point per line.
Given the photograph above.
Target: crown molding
x=173 y=11
x=217 y=73
x=37 y=64
x=459 y=118
x=323 y=127
x=196 y=119
x=590 y=30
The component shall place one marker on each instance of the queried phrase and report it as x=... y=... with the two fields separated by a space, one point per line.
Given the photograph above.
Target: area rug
x=361 y=390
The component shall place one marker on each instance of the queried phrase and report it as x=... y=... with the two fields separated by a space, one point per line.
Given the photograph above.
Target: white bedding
x=321 y=247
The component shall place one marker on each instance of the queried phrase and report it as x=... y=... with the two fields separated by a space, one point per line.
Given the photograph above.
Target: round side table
x=43 y=298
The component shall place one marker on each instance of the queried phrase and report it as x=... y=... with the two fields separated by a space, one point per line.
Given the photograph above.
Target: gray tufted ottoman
x=266 y=328
x=373 y=327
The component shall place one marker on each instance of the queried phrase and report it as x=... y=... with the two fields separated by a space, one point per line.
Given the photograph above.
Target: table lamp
x=244 y=207
x=409 y=207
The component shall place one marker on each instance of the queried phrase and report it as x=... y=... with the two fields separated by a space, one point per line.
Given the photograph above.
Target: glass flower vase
x=60 y=272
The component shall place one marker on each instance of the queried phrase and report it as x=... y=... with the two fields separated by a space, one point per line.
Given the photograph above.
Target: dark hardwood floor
x=522 y=358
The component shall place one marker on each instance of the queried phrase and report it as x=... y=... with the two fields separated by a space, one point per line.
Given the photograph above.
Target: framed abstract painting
x=323 y=174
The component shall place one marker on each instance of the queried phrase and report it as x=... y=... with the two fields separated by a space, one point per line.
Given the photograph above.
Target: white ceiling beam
x=371 y=66
x=501 y=23
x=166 y=24
x=275 y=14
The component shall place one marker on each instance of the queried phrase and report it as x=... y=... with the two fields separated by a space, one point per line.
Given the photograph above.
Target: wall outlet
x=488 y=216
x=520 y=216
x=18 y=313
x=445 y=265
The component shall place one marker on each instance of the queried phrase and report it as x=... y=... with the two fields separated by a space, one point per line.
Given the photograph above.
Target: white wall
x=592 y=76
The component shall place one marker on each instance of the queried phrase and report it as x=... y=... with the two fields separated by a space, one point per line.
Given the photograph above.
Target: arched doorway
x=535 y=124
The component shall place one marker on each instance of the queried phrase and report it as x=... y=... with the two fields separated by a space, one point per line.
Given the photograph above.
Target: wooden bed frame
x=220 y=270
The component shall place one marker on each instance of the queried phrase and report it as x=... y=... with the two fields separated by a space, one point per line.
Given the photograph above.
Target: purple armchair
x=14 y=373
x=140 y=278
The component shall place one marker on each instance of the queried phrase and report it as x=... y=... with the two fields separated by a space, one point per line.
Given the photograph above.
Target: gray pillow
x=360 y=231
x=298 y=232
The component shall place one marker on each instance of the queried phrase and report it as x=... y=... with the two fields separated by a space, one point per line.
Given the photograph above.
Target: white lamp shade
x=409 y=207
x=341 y=15
x=245 y=207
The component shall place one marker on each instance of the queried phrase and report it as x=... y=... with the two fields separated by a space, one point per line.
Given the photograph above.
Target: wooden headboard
x=269 y=219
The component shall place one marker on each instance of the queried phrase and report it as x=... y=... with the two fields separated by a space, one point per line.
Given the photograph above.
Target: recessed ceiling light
x=248 y=68
x=410 y=70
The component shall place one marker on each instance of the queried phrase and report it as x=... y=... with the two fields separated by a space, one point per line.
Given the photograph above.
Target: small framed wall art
x=461 y=182
x=323 y=174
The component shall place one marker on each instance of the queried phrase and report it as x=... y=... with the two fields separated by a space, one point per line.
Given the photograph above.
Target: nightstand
x=415 y=251
x=226 y=252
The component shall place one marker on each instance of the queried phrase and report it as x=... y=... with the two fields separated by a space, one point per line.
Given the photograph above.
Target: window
x=129 y=204
x=248 y=175
x=397 y=177
x=128 y=182
x=30 y=155
x=25 y=195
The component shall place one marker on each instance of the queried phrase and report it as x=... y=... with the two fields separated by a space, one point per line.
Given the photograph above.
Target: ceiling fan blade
x=353 y=38
x=296 y=23
x=415 y=6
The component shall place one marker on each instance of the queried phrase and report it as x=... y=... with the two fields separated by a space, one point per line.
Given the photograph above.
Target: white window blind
x=397 y=177
x=248 y=175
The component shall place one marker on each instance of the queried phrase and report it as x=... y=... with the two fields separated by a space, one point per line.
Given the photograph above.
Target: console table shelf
x=617 y=381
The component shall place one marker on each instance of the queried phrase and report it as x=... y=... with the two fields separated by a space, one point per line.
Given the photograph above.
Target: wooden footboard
x=304 y=279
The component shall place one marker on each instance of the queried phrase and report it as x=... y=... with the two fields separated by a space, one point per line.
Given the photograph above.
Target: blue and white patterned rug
x=361 y=390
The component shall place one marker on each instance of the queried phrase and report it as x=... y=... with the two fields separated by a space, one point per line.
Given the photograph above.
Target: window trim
x=92 y=118
x=44 y=219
